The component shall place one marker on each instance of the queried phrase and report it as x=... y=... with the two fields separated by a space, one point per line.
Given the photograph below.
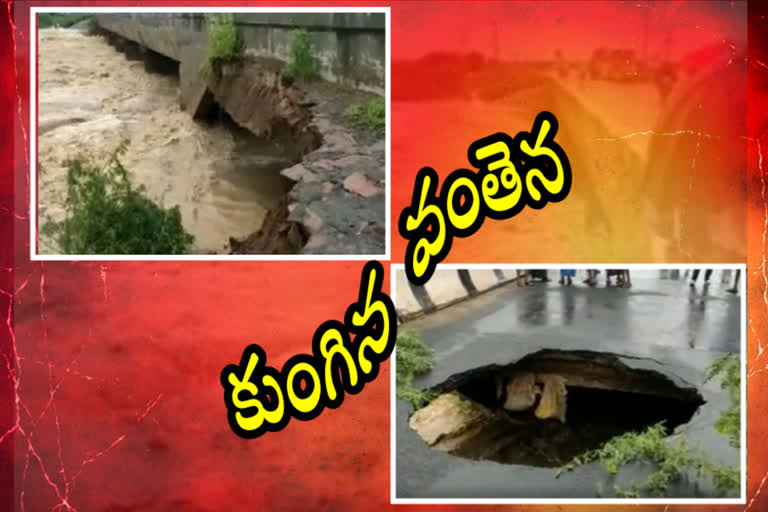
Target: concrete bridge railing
x=445 y=287
x=350 y=47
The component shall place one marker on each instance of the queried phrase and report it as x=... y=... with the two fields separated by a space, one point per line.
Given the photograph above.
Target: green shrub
x=64 y=20
x=672 y=462
x=414 y=358
x=371 y=114
x=417 y=397
x=302 y=63
x=225 y=44
x=105 y=214
x=728 y=369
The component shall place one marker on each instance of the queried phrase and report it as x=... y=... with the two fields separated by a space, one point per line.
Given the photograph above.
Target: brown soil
x=257 y=97
x=277 y=235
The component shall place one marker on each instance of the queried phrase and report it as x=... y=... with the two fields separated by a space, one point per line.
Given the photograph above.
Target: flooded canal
x=92 y=98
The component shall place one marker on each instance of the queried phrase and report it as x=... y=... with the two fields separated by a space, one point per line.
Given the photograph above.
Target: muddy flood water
x=91 y=98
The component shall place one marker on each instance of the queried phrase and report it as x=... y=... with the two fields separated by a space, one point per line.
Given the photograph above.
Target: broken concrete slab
x=299 y=173
x=359 y=184
x=449 y=420
x=341 y=183
x=553 y=398
x=521 y=392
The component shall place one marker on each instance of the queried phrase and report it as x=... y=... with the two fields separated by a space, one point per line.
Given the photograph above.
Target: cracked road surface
x=660 y=324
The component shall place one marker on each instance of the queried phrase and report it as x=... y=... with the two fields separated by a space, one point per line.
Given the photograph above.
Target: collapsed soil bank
x=549 y=407
x=337 y=203
x=254 y=95
x=225 y=172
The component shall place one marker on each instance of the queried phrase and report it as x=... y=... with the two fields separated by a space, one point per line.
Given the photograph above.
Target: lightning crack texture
x=54 y=473
x=26 y=421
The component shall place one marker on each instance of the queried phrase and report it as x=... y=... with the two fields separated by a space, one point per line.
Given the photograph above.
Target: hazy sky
x=531 y=30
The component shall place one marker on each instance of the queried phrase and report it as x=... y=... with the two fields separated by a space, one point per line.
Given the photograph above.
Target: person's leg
x=735 y=287
x=708 y=274
x=695 y=276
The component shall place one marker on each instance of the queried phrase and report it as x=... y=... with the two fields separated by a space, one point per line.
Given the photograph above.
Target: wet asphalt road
x=660 y=323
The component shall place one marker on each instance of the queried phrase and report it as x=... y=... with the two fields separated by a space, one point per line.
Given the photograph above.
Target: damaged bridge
x=350 y=47
x=336 y=203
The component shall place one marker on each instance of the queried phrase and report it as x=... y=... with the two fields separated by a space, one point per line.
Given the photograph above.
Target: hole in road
x=549 y=407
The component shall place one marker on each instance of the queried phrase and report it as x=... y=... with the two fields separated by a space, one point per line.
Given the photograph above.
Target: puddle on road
x=549 y=408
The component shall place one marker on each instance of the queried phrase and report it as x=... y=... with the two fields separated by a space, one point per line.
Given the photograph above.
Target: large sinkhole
x=549 y=407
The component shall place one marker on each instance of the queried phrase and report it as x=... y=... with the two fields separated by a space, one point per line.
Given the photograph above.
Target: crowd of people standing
x=622 y=277
x=527 y=277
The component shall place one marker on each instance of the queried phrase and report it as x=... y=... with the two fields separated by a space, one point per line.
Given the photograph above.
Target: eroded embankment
x=232 y=173
x=94 y=96
x=549 y=407
x=336 y=205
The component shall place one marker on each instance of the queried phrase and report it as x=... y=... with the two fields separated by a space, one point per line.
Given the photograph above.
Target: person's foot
x=732 y=290
x=561 y=281
x=570 y=281
x=692 y=284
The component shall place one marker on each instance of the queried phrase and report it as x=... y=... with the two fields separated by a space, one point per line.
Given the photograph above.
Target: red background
x=109 y=379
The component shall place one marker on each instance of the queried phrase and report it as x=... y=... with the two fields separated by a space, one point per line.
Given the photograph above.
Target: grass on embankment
x=106 y=214
x=225 y=44
x=64 y=20
x=302 y=63
x=371 y=114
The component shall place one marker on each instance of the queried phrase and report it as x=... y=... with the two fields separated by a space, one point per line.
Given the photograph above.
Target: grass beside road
x=674 y=461
x=414 y=358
